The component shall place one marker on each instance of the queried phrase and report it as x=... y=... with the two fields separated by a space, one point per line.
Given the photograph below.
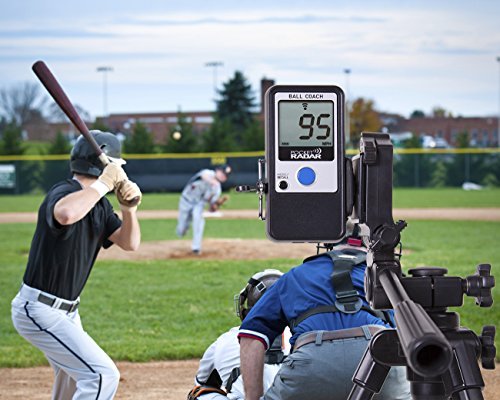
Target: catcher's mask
x=83 y=158
x=253 y=291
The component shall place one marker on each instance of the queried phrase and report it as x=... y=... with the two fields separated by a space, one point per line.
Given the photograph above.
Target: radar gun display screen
x=305 y=162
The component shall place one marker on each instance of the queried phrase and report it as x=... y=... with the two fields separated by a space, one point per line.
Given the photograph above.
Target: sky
x=404 y=55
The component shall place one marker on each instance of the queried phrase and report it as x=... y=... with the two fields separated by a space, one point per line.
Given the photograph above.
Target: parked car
x=430 y=142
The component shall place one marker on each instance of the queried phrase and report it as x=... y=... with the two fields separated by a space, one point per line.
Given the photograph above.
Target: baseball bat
x=59 y=95
x=56 y=91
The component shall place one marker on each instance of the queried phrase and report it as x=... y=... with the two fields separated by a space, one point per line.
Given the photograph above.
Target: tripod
x=441 y=357
x=462 y=380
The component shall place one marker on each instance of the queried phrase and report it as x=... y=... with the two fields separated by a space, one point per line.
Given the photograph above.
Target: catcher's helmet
x=253 y=291
x=84 y=160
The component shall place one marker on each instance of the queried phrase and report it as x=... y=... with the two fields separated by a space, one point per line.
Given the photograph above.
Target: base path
x=472 y=214
x=159 y=380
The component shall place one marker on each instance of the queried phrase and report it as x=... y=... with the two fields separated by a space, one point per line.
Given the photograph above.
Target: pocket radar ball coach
x=305 y=163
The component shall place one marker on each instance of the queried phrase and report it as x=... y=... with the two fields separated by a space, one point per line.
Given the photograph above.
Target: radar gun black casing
x=305 y=163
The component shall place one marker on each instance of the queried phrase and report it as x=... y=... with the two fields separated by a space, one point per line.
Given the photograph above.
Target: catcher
x=204 y=187
x=218 y=375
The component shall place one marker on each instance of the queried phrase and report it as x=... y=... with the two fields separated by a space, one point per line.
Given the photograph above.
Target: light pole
x=105 y=70
x=214 y=65
x=347 y=71
x=498 y=125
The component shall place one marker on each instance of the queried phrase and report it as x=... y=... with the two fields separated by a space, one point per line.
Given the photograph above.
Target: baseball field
x=155 y=311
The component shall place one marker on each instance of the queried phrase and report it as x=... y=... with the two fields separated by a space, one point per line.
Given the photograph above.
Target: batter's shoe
x=197 y=252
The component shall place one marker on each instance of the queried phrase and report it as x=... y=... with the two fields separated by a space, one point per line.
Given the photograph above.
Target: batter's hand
x=112 y=175
x=128 y=194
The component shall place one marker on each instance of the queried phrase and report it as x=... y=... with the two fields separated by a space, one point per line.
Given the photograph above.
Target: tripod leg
x=368 y=378
x=464 y=380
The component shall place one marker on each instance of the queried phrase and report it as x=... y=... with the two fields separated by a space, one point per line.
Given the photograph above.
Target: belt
x=32 y=294
x=321 y=336
x=58 y=303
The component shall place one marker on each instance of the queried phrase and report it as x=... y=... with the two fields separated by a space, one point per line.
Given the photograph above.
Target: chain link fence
x=170 y=172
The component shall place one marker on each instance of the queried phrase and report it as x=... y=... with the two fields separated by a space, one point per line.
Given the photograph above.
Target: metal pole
x=214 y=65
x=347 y=71
x=105 y=71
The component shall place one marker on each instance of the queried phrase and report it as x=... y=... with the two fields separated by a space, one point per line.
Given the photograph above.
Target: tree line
x=235 y=124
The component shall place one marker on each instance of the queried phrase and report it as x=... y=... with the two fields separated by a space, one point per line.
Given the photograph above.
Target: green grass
x=446 y=197
x=403 y=198
x=173 y=309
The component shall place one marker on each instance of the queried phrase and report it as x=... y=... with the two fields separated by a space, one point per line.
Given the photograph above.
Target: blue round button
x=306 y=176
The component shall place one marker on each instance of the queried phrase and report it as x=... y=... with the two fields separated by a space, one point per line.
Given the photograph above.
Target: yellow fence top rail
x=221 y=157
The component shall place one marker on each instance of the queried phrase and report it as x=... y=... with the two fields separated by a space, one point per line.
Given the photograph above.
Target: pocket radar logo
x=313 y=154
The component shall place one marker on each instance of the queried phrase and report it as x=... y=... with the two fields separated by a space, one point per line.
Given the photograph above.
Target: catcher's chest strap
x=235 y=373
x=347 y=298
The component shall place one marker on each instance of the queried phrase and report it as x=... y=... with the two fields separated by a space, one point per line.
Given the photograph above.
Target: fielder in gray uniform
x=74 y=221
x=203 y=188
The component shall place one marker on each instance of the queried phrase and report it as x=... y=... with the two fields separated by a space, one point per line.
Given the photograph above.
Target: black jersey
x=61 y=256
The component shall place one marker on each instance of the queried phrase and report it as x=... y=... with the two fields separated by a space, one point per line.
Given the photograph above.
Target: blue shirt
x=303 y=288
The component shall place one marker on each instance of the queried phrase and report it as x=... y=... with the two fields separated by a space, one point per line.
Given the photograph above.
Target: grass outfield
x=173 y=309
x=403 y=198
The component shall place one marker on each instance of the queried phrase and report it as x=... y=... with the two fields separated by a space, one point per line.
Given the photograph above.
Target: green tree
x=234 y=127
x=412 y=169
x=237 y=102
x=462 y=141
x=438 y=175
x=60 y=145
x=12 y=142
x=219 y=137
x=182 y=138
x=29 y=173
x=467 y=167
x=417 y=114
x=363 y=118
x=440 y=112
x=253 y=137
x=140 y=142
x=100 y=126
x=490 y=180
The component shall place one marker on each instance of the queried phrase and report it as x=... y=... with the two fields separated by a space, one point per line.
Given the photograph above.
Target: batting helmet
x=254 y=290
x=84 y=160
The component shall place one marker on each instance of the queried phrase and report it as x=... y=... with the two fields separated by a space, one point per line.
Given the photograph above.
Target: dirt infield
x=213 y=249
x=166 y=380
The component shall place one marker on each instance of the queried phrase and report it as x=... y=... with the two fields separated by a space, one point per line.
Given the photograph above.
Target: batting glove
x=111 y=176
x=128 y=194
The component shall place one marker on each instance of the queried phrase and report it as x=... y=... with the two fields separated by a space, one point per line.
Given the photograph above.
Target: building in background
x=482 y=131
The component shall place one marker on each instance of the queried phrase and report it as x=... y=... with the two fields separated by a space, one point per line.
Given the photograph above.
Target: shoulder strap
x=235 y=373
x=348 y=299
x=274 y=354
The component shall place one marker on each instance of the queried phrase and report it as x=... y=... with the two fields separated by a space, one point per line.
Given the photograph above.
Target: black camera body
x=306 y=193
